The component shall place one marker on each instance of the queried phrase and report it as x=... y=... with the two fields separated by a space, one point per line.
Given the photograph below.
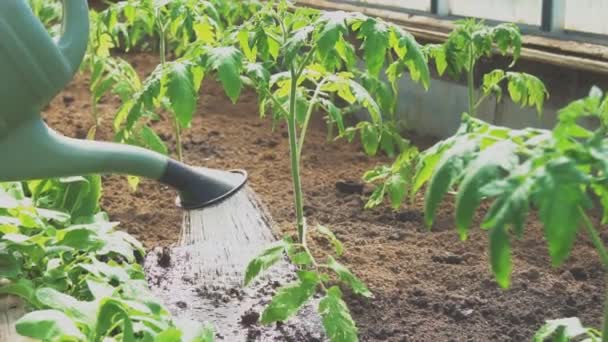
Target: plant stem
x=471 y=82
x=596 y=239
x=471 y=87
x=330 y=132
x=295 y=161
x=162 y=44
x=311 y=108
x=178 y=139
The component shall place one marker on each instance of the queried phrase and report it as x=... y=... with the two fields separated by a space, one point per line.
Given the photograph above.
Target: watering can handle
x=75 y=37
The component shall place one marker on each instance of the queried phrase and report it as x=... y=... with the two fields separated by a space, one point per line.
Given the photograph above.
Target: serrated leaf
x=336 y=243
x=500 y=256
x=448 y=171
x=289 y=299
x=375 y=36
x=181 y=92
x=264 y=261
x=349 y=278
x=370 y=138
x=227 y=62
x=152 y=141
x=337 y=321
x=396 y=186
x=293 y=46
x=485 y=168
x=560 y=198
x=334 y=26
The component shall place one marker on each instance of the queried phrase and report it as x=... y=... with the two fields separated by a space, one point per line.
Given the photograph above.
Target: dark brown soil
x=428 y=285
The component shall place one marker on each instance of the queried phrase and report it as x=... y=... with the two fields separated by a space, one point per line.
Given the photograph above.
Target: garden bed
x=428 y=285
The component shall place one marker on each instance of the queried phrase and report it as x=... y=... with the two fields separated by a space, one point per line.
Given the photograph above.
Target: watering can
x=33 y=69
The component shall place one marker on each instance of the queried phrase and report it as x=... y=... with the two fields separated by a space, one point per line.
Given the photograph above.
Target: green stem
x=471 y=87
x=471 y=82
x=178 y=139
x=295 y=161
x=163 y=61
x=596 y=239
x=330 y=132
x=308 y=116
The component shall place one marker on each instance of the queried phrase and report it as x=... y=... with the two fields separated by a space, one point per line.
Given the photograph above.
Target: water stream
x=225 y=237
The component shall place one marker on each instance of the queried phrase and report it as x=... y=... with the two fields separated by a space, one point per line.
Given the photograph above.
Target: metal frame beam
x=440 y=7
x=553 y=15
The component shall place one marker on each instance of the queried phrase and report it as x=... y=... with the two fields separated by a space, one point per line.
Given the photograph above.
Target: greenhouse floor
x=428 y=285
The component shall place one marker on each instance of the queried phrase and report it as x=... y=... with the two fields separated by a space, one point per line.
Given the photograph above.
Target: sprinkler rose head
x=202 y=187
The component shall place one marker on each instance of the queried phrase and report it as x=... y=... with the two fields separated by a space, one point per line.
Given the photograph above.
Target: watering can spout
x=73 y=42
x=34 y=151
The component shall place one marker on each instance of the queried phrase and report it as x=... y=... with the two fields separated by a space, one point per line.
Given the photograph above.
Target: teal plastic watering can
x=33 y=69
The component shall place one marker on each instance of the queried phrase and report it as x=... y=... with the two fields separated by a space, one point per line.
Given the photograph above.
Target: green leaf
x=337 y=321
x=23 y=288
x=79 y=238
x=489 y=165
x=346 y=276
x=293 y=46
x=264 y=261
x=111 y=312
x=289 y=299
x=337 y=244
x=560 y=198
x=10 y=267
x=84 y=312
x=376 y=42
x=49 y=325
x=181 y=92
x=369 y=138
x=414 y=58
x=397 y=189
x=500 y=256
x=527 y=90
x=195 y=332
x=449 y=170
x=512 y=203
x=153 y=141
x=169 y=335
x=563 y=329
x=334 y=27
x=227 y=62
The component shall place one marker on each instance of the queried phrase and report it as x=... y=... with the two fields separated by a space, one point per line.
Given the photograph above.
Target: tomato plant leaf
x=264 y=261
x=349 y=278
x=447 y=172
x=181 y=92
x=375 y=36
x=337 y=321
x=485 y=168
x=228 y=63
x=289 y=299
x=500 y=256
